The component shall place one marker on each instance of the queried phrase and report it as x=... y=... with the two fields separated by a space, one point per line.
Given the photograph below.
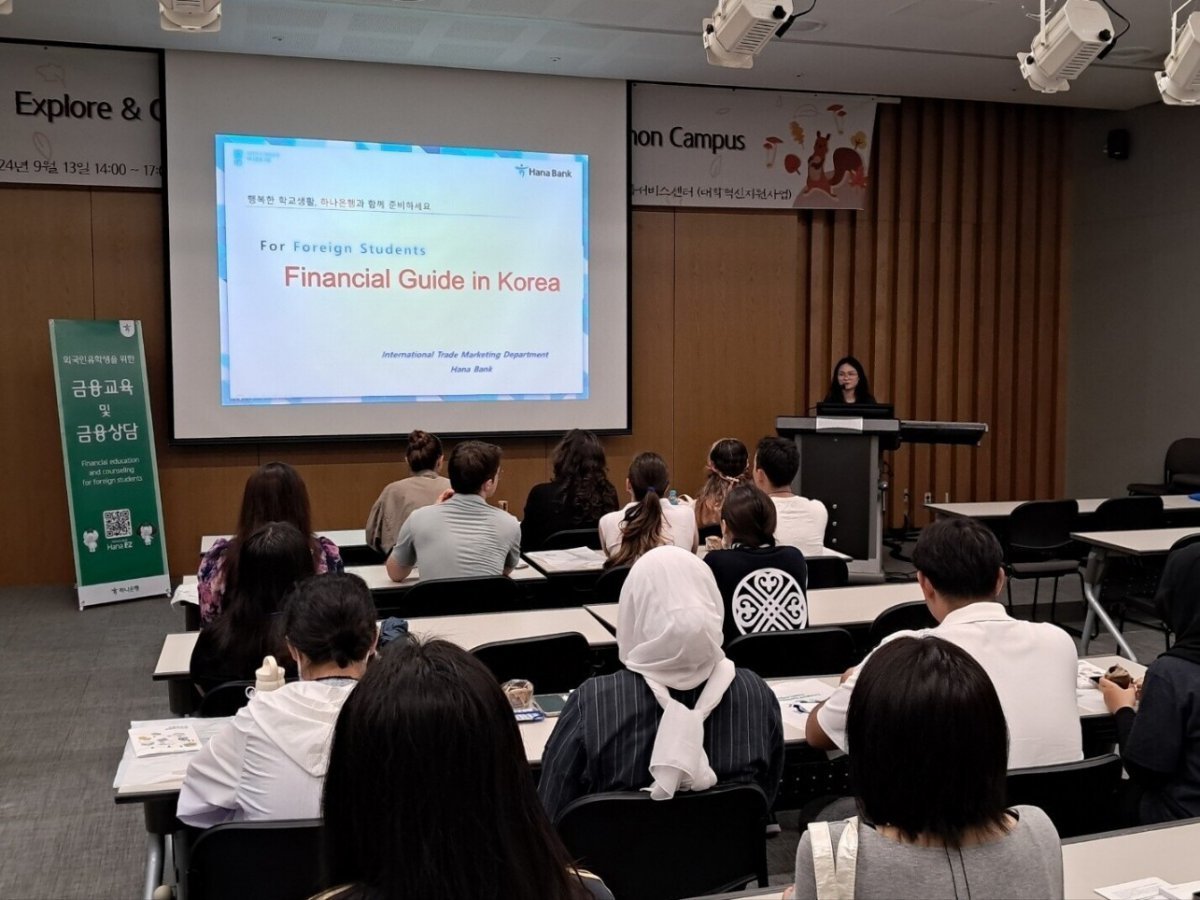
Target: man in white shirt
x=799 y=521
x=1033 y=665
x=462 y=536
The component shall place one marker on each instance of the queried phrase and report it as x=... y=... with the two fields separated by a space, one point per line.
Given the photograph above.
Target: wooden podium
x=839 y=465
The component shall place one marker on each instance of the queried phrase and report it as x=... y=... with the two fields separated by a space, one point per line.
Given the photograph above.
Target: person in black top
x=272 y=560
x=849 y=383
x=577 y=497
x=763 y=585
x=1160 y=737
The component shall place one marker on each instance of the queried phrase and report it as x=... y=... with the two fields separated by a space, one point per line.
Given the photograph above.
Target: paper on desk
x=1142 y=889
x=575 y=559
x=156 y=740
x=1087 y=694
x=188 y=592
x=799 y=697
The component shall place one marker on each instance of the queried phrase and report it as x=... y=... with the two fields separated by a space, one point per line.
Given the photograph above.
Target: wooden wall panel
x=950 y=286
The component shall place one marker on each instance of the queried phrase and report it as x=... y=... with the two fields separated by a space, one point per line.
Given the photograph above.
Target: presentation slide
x=356 y=250
x=403 y=273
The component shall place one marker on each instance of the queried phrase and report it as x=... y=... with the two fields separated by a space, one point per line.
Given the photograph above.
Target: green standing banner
x=108 y=455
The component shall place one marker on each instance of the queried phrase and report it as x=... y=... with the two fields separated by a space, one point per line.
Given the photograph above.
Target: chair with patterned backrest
x=696 y=843
x=767 y=599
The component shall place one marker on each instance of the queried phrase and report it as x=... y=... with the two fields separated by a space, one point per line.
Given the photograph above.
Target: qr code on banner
x=117 y=523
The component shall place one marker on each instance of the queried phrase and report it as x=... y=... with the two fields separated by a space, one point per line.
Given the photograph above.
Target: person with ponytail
x=728 y=460
x=269 y=762
x=650 y=519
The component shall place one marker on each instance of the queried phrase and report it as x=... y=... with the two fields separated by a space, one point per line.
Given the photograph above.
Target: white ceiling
x=963 y=49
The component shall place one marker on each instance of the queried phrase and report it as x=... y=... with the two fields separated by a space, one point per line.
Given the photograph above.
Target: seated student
x=271 y=560
x=398 y=500
x=429 y=795
x=650 y=519
x=762 y=583
x=462 y=536
x=679 y=716
x=1033 y=665
x=274 y=493
x=1160 y=737
x=577 y=497
x=269 y=762
x=800 y=522
x=928 y=753
x=727 y=460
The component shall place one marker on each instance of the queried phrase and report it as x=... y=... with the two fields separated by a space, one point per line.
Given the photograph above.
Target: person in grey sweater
x=928 y=755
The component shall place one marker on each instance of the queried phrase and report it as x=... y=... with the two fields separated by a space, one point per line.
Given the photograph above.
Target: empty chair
x=1128 y=576
x=1039 y=546
x=826 y=572
x=281 y=860
x=781 y=654
x=608 y=586
x=692 y=844
x=451 y=597
x=1181 y=470
x=555 y=663
x=1079 y=797
x=1128 y=514
x=901 y=617
x=225 y=699
x=572 y=537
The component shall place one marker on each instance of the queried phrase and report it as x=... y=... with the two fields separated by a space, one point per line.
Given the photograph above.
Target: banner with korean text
x=108 y=457
x=729 y=147
x=79 y=115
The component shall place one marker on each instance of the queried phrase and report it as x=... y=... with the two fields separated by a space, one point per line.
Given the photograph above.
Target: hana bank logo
x=522 y=170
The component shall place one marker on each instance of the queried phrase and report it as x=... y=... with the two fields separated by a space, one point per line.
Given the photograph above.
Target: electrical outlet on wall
x=906 y=498
x=929 y=496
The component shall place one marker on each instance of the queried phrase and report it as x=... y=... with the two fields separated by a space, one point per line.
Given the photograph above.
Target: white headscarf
x=669 y=631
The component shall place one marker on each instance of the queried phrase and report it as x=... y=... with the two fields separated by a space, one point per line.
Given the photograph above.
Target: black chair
x=571 y=538
x=693 y=844
x=1128 y=576
x=608 y=586
x=1128 y=514
x=708 y=531
x=782 y=654
x=826 y=572
x=911 y=616
x=1140 y=597
x=225 y=699
x=1079 y=797
x=451 y=597
x=555 y=663
x=1039 y=546
x=281 y=860
x=1181 y=470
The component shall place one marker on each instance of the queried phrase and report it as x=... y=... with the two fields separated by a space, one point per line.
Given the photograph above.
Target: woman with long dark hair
x=727 y=467
x=270 y=561
x=849 y=383
x=650 y=519
x=429 y=794
x=274 y=493
x=928 y=747
x=578 y=496
x=269 y=762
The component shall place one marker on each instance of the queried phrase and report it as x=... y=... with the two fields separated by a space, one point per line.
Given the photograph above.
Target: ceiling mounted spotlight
x=190 y=15
x=1179 y=81
x=1066 y=45
x=739 y=29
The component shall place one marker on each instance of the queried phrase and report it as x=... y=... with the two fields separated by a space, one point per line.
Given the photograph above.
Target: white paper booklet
x=156 y=740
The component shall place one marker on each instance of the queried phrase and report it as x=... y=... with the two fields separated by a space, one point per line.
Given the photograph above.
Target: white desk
x=466 y=631
x=1147 y=542
x=1002 y=509
x=348 y=537
x=858 y=605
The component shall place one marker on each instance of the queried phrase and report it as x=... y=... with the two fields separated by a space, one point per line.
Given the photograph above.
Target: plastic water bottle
x=673 y=497
x=269 y=676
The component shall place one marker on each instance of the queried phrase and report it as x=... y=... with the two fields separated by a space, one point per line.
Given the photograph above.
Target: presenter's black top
x=547 y=512
x=836 y=397
x=764 y=588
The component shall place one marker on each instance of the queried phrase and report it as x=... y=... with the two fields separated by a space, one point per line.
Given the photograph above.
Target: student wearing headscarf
x=680 y=716
x=1160 y=736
